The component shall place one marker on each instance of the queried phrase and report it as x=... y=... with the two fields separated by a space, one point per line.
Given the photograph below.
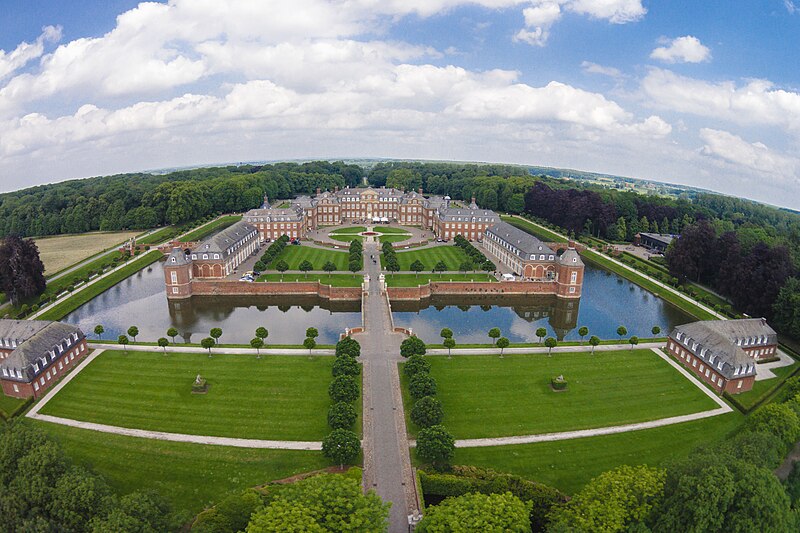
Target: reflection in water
x=141 y=301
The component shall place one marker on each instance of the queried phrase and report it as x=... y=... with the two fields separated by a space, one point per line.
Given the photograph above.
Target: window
x=16 y=388
x=174 y=277
x=706 y=372
x=713 y=378
x=573 y=277
x=701 y=368
x=5 y=372
x=48 y=374
x=41 y=380
x=739 y=386
x=572 y=290
x=60 y=366
x=694 y=362
x=35 y=386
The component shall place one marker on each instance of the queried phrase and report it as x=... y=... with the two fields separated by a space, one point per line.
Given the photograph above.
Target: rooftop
x=524 y=243
x=226 y=238
x=45 y=336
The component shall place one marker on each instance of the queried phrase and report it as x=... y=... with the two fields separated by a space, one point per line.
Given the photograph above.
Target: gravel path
x=214 y=351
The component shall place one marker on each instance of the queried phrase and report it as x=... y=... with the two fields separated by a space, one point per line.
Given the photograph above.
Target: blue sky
x=697 y=93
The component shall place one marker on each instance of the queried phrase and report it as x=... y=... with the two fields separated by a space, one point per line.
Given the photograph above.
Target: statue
x=198 y=380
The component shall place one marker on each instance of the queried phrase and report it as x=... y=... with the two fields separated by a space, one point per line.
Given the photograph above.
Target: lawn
x=351 y=229
x=334 y=280
x=395 y=237
x=294 y=255
x=212 y=227
x=62 y=251
x=9 y=404
x=389 y=229
x=190 y=476
x=275 y=397
x=569 y=464
x=762 y=388
x=164 y=234
x=493 y=397
x=534 y=229
x=347 y=237
x=413 y=280
x=452 y=256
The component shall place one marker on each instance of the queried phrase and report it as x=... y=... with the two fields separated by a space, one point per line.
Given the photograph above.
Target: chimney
x=472 y=200
x=335 y=188
x=570 y=244
x=419 y=190
x=266 y=202
x=318 y=191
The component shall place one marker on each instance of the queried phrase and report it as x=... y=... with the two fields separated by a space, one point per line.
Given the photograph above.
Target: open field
x=534 y=229
x=412 y=280
x=486 y=396
x=452 y=256
x=394 y=237
x=190 y=476
x=294 y=255
x=212 y=227
x=334 y=280
x=62 y=251
x=275 y=397
x=569 y=464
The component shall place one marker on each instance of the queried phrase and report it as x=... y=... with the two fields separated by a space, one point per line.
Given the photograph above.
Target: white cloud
x=26 y=52
x=594 y=68
x=687 y=49
x=790 y=6
x=615 y=11
x=754 y=156
x=757 y=102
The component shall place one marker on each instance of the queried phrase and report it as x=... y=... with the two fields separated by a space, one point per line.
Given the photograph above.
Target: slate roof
x=177 y=257
x=18 y=330
x=524 y=244
x=225 y=239
x=659 y=237
x=45 y=336
x=568 y=256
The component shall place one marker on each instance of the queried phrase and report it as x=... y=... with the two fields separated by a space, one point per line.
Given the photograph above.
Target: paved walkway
x=214 y=351
x=764 y=370
x=387 y=467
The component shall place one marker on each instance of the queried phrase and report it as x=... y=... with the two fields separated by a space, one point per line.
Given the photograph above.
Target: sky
x=700 y=93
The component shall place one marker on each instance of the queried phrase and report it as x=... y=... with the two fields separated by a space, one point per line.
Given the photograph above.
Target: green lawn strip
x=605 y=342
x=569 y=464
x=59 y=311
x=765 y=387
x=351 y=229
x=346 y=237
x=284 y=205
x=294 y=255
x=412 y=280
x=190 y=476
x=164 y=234
x=645 y=283
x=452 y=256
x=267 y=344
x=535 y=229
x=8 y=404
x=212 y=227
x=389 y=229
x=334 y=280
x=493 y=397
x=274 y=398
x=397 y=237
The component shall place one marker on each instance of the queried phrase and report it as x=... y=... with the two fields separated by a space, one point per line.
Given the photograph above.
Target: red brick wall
x=730 y=386
x=232 y=288
x=27 y=390
x=465 y=287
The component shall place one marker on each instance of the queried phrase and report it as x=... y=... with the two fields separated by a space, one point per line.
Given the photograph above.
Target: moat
x=608 y=301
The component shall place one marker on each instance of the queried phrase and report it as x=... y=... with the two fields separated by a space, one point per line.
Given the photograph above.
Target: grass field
x=394 y=237
x=388 y=229
x=534 y=229
x=190 y=476
x=346 y=237
x=8 y=404
x=275 y=397
x=212 y=227
x=492 y=397
x=59 y=311
x=452 y=256
x=165 y=233
x=412 y=280
x=569 y=464
x=762 y=388
x=62 y=251
x=334 y=280
x=294 y=255
x=351 y=229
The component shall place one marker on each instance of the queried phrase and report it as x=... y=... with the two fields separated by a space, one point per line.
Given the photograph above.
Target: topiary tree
x=622 y=331
x=281 y=266
x=259 y=266
x=583 y=331
x=257 y=344
x=655 y=331
x=349 y=346
x=412 y=346
x=449 y=343
x=341 y=446
x=343 y=389
x=133 y=331
x=172 y=332
x=306 y=267
x=215 y=333
x=417 y=267
x=633 y=341
x=99 y=330
x=422 y=384
x=502 y=343
x=355 y=265
x=466 y=266
x=341 y=415
x=494 y=334
x=262 y=333
x=416 y=364
x=163 y=342
x=123 y=340
x=435 y=445
x=346 y=365
x=427 y=411
x=594 y=340
x=309 y=343
x=541 y=333
x=446 y=333
x=551 y=343
x=329 y=267
x=441 y=266
x=208 y=343
x=312 y=333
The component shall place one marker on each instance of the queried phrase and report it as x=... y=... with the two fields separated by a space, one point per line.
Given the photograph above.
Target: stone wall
x=476 y=287
x=235 y=288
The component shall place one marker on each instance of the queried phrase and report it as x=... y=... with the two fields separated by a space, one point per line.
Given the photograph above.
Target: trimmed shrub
x=341 y=415
x=427 y=411
x=349 y=346
x=343 y=389
x=416 y=364
x=422 y=385
x=346 y=365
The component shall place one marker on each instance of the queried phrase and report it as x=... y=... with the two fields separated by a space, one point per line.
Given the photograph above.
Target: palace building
x=35 y=353
x=723 y=353
x=533 y=260
x=442 y=216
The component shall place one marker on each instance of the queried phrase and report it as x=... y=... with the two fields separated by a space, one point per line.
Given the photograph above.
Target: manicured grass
x=164 y=234
x=763 y=388
x=294 y=255
x=389 y=229
x=334 y=280
x=486 y=396
x=59 y=311
x=561 y=343
x=8 y=404
x=452 y=256
x=62 y=251
x=212 y=227
x=190 y=476
x=534 y=229
x=351 y=229
x=398 y=237
x=284 y=205
x=275 y=397
x=346 y=237
x=412 y=280
x=569 y=464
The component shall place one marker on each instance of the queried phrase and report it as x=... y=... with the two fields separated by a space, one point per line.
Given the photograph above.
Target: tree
x=208 y=343
x=309 y=343
x=494 y=334
x=345 y=365
x=449 y=343
x=779 y=420
x=786 y=309
x=329 y=267
x=633 y=341
x=421 y=384
x=341 y=415
x=441 y=266
x=391 y=264
x=343 y=389
x=446 y=333
x=416 y=364
x=133 y=331
x=232 y=513
x=435 y=445
x=163 y=342
x=541 y=333
x=257 y=343
x=306 y=267
x=312 y=333
x=466 y=266
x=427 y=411
x=281 y=266
x=355 y=265
x=551 y=343
x=21 y=270
x=99 y=330
x=262 y=333
x=612 y=501
x=622 y=331
x=123 y=340
x=284 y=516
x=215 y=333
x=502 y=343
x=411 y=346
x=172 y=332
x=341 y=446
x=348 y=346
x=583 y=331
x=594 y=340
x=417 y=266
x=655 y=331
x=478 y=512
